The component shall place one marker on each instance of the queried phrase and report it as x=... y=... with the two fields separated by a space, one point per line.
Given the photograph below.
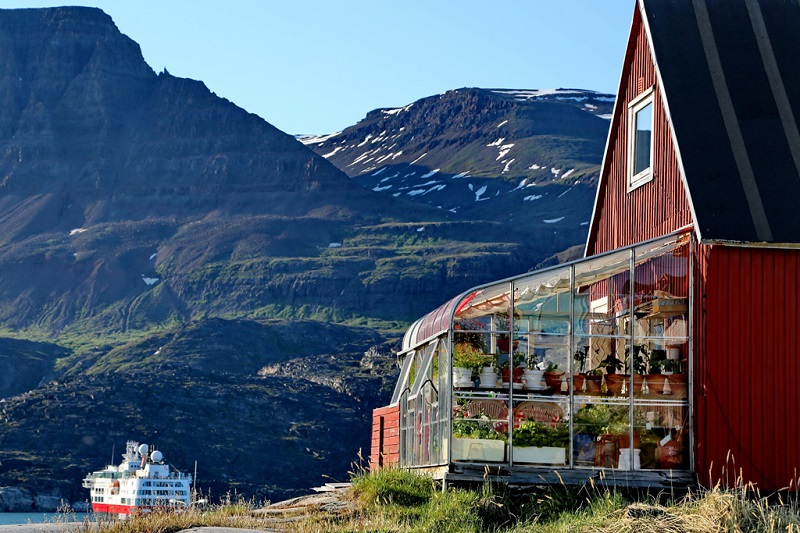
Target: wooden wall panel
x=385 y=449
x=658 y=207
x=748 y=416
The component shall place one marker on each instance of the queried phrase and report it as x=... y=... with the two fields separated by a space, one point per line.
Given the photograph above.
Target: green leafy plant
x=592 y=419
x=672 y=365
x=477 y=427
x=531 y=433
x=580 y=357
x=638 y=360
x=552 y=367
x=611 y=363
x=466 y=355
x=658 y=358
x=518 y=357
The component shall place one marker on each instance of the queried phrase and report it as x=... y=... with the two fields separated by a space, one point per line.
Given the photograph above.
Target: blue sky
x=318 y=67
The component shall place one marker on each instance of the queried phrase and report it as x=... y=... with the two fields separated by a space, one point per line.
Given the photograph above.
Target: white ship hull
x=139 y=484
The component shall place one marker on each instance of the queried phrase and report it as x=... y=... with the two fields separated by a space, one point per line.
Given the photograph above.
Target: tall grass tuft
x=392 y=485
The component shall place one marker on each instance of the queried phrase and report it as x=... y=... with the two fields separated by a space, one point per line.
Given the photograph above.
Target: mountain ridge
x=508 y=155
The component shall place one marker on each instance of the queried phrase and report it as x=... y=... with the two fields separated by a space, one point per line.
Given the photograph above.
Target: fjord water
x=39 y=518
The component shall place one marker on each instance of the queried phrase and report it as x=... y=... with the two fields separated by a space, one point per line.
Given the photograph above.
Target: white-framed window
x=640 y=140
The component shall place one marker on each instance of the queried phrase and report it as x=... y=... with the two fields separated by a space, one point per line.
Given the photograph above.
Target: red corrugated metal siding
x=699 y=336
x=752 y=367
x=385 y=449
x=658 y=207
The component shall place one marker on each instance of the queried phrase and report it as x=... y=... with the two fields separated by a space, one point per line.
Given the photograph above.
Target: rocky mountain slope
x=178 y=271
x=528 y=157
x=265 y=408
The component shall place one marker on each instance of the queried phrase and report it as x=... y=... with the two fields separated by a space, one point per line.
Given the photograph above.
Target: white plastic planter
x=542 y=456
x=478 y=450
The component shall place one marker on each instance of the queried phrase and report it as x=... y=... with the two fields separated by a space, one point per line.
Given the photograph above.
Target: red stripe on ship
x=112 y=508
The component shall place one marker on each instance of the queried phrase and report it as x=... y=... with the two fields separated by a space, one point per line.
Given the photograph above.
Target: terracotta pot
x=577 y=382
x=553 y=380
x=655 y=383
x=638 y=383
x=677 y=383
x=518 y=372
x=594 y=384
x=614 y=383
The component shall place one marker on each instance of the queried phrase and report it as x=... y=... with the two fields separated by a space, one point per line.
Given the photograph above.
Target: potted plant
x=518 y=359
x=594 y=381
x=579 y=378
x=503 y=339
x=614 y=382
x=535 y=442
x=655 y=378
x=637 y=360
x=553 y=376
x=533 y=374
x=475 y=439
x=467 y=360
x=677 y=378
x=488 y=375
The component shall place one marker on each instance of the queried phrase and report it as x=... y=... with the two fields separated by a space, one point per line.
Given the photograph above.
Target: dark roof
x=730 y=75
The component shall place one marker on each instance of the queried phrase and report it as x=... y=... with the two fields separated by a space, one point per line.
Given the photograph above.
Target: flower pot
x=614 y=383
x=553 y=380
x=677 y=385
x=533 y=379
x=656 y=383
x=578 y=381
x=546 y=455
x=518 y=371
x=478 y=450
x=638 y=383
x=488 y=377
x=462 y=377
x=594 y=384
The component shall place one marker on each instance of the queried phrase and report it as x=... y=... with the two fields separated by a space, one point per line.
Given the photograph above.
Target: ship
x=141 y=483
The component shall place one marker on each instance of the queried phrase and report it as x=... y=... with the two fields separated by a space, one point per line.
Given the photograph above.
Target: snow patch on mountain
x=396 y=110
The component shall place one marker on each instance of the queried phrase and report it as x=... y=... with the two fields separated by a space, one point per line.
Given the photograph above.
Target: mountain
x=176 y=270
x=131 y=200
x=528 y=157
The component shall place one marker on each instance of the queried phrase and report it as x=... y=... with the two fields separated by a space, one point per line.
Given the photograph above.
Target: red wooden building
x=692 y=263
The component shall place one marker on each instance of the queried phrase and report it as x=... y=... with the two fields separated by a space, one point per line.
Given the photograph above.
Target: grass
x=395 y=500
